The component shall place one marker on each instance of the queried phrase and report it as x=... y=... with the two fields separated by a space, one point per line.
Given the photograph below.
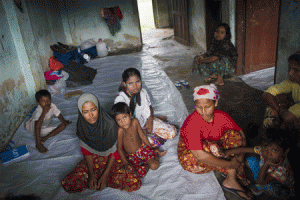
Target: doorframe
x=240 y=32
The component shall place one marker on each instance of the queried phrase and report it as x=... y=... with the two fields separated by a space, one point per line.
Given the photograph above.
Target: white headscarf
x=206 y=92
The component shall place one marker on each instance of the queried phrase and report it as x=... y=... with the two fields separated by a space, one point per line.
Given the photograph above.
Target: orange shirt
x=195 y=128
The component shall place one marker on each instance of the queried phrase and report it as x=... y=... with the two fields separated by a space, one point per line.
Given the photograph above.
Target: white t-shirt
x=30 y=124
x=143 y=112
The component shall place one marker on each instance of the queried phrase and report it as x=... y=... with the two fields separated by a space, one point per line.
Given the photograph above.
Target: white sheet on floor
x=41 y=174
x=261 y=79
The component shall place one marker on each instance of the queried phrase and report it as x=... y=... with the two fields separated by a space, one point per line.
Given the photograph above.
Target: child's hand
x=46 y=108
x=41 y=148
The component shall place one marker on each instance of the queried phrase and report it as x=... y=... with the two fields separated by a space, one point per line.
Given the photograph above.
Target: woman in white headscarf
x=204 y=134
x=98 y=132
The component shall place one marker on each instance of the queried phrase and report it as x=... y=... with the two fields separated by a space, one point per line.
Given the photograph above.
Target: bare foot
x=43 y=139
x=160 y=153
x=41 y=148
x=219 y=83
x=219 y=80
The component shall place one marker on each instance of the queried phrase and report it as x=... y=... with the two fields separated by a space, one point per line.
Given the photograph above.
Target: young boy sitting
x=41 y=117
x=272 y=172
x=136 y=144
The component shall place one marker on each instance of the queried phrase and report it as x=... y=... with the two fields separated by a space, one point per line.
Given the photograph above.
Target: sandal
x=185 y=83
x=177 y=84
x=235 y=192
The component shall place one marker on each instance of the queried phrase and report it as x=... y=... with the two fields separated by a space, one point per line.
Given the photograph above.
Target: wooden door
x=181 y=21
x=260 y=34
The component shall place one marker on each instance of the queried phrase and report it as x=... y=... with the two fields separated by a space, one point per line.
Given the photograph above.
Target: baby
x=135 y=143
x=40 y=120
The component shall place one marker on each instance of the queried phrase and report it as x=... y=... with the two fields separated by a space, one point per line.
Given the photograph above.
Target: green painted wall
x=288 y=38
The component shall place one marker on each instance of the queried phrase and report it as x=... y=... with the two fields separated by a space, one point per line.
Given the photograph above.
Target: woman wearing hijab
x=98 y=132
x=204 y=134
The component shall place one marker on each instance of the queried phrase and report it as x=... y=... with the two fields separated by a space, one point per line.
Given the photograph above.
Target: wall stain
x=131 y=42
x=6 y=87
x=14 y=106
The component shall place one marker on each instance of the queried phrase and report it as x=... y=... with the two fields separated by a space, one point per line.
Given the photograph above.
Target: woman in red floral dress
x=205 y=133
x=98 y=132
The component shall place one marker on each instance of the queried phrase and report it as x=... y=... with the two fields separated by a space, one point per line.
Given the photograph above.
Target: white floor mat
x=41 y=174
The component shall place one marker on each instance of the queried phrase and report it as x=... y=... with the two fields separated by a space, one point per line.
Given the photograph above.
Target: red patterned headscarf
x=206 y=92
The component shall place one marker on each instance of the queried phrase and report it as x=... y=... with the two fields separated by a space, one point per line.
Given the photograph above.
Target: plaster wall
x=85 y=23
x=25 y=39
x=197 y=24
x=228 y=16
x=288 y=38
x=46 y=25
x=16 y=81
x=161 y=12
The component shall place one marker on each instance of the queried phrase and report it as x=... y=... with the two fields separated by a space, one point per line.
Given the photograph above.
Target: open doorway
x=156 y=19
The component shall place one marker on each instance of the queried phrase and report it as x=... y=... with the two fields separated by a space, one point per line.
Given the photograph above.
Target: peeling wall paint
x=288 y=37
x=25 y=40
x=47 y=28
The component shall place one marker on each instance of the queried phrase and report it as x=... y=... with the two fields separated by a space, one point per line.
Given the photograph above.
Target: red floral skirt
x=230 y=139
x=77 y=180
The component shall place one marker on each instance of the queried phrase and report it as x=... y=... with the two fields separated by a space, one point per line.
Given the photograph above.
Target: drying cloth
x=112 y=17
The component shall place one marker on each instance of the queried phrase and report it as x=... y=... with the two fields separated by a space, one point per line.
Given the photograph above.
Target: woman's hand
x=149 y=125
x=102 y=182
x=92 y=181
x=125 y=166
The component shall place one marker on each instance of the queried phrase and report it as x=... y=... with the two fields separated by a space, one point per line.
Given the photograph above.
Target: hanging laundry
x=112 y=17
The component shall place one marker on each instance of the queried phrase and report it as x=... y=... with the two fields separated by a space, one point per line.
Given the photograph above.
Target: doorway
x=155 y=19
x=213 y=16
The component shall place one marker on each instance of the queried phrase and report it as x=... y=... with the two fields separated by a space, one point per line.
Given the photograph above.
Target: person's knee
x=153 y=164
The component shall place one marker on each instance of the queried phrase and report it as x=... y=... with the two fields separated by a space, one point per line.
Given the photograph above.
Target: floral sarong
x=77 y=180
x=223 y=67
x=230 y=139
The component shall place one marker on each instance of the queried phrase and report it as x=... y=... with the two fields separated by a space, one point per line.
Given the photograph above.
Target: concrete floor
x=242 y=102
